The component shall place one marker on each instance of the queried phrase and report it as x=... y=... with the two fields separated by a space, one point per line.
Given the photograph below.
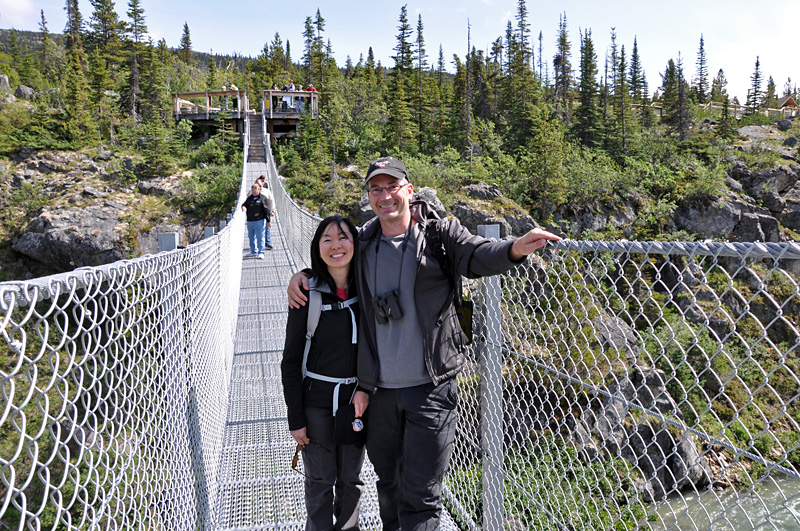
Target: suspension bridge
x=611 y=385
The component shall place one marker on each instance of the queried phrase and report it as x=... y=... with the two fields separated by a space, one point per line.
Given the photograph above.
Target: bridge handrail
x=114 y=388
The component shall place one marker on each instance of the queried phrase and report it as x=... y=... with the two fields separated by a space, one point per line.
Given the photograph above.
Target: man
x=410 y=341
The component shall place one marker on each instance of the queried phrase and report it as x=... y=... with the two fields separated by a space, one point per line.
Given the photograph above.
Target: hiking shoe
x=261 y=257
x=268 y=247
x=248 y=255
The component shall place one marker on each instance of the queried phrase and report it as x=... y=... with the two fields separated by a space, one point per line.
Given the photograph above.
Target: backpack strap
x=315 y=309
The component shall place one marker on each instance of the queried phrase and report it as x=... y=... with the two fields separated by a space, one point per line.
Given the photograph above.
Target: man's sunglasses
x=297 y=457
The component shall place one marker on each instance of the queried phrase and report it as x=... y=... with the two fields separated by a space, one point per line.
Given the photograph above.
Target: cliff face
x=62 y=210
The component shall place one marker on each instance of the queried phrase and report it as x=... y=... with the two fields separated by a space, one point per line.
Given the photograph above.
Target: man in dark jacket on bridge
x=410 y=341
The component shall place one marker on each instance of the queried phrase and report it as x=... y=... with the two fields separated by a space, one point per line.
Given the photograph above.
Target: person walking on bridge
x=410 y=342
x=258 y=209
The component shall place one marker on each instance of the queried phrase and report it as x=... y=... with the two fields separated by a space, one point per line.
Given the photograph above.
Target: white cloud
x=18 y=14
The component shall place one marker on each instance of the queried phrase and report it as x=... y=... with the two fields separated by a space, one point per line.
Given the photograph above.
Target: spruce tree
x=186 y=45
x=106 y=34
x=562 y=67
x=587 y=125
x=754 y=94
x=138 y=30
x=74 y=28
x=80 y=126
x=701 y=87
x=422 y=66
x=771 y=96
x=719 y=87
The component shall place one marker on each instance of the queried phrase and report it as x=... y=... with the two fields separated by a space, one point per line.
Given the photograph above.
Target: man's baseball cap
x=386 y=166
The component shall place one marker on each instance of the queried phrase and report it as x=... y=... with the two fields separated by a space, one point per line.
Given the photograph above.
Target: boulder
x=66 y=239
x=4 y=82
x=756 y=227
x=790 y=142
x=471 y=215
x=431 y=196
x=614 y=334
x=784 y=125
x=24 y=92
x=484 y=191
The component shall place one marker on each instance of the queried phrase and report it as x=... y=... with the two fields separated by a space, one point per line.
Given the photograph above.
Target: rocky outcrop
x=667 y=458
x=66 y=239
x=596 y=216
x=729 y=219
x=4 y=82
x=25 y=92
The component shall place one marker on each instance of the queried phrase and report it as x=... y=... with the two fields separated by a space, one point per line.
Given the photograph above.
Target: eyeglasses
x=377 y=191
x=297 y=457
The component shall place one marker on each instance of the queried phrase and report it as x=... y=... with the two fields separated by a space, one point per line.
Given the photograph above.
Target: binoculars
x=387 y=306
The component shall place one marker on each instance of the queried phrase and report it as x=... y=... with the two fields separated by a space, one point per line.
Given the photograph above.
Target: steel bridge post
x=491 y=366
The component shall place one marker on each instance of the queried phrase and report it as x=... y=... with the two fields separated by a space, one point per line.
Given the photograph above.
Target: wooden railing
x=210 y=103
x=285 y=103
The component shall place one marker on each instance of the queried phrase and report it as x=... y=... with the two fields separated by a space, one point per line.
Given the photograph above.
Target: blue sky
x=735 y=32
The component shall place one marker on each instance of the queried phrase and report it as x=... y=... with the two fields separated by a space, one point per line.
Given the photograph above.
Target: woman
x=320 y=381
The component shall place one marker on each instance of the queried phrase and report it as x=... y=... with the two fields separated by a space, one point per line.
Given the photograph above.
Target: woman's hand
x=360 y=401
x=300 y=436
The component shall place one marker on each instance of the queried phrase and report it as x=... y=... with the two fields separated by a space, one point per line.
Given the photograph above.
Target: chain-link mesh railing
x=623 y=385
x=114 y=389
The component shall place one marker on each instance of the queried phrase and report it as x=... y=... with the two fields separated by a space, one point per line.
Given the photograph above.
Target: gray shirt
x=399 y=342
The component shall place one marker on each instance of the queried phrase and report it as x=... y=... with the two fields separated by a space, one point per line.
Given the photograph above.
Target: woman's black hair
x=319 y=268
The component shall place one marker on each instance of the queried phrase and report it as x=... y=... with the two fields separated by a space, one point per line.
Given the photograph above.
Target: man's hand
x=297 y=298
x=300 y=436
x=360 y=401
x=529 y=242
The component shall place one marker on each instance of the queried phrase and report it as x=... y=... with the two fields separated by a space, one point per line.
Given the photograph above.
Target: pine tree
x=562 y=68
x=319 y=48
x=588 y=116
x=635 y=74
x=701 y=87
x=138 y=30
x=211 y=75
x=47 y=55
x=754 y=94
x=106 y=34
x=422 y=66
x=676 y=99
x=74 y=28
x=80 y=126
x=771 y=96
x=719 y=87
x=186 y=45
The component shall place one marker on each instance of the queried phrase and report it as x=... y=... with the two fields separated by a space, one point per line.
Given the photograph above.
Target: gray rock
x=65 y=239
x=733 y=184
x=715 y=221
x=106 y=155
x=484 y=191
x=3 y=168
x=93 y=192
x=24 y=92
x=784 y=125
x=115 y=205
x=431 y=196
x=790 y=142
x=4 y=81
x=471 y=216
x=614 y=334
x=756 y=227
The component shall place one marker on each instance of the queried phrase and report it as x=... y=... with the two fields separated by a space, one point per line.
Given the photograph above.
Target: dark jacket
x=443 y=341
x=332 y=354
x=258 y=207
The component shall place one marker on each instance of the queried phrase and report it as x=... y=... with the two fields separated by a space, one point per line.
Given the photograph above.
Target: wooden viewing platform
x=210 y=104
x=281 y=109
